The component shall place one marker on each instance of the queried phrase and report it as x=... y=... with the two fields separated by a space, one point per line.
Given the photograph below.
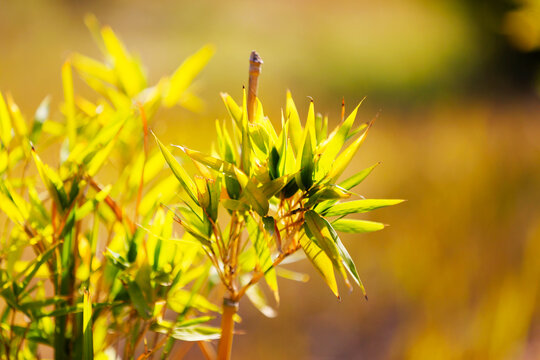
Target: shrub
x=275 y=193
x=94 y=268
x=106 y=264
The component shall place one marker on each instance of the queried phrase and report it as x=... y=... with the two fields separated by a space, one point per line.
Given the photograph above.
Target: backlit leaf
x=178 y=171
x=184 y=75
x=357 y=178
x=52 y=182
x=359 y=206
x=344 y=159
x=321 y=262
x=357 y=226
x=88 y=340
x=317 y=228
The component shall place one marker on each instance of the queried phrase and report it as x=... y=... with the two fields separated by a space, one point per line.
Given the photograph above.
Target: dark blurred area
x=456 y=83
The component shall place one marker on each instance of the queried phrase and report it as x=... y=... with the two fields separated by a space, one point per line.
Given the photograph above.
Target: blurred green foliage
x=89 y=269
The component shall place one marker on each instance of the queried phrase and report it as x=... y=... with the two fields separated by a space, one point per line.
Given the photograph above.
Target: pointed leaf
x=184 y=75
x=346 y=258
x=335 y=144
x=357 y=178
x=321 y=262
x=317 y=228
x=344 y=159
x=5 y=123
x=360 y=206
x=187 y=183
x=295 y=127
x=88 y=342
x=357 y=226
x=52 y=182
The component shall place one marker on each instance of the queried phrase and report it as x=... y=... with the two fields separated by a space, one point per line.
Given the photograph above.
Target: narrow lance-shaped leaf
x=187 y=183
x=357 y=226
x=209 y=161
x=360 y=206
x=321 y=262
x=17 y=119
x=10 y=209
x=127 y=68
x=184 y=75
x=332 y=149
x=357 y=178
x=91 y=67
x=5 y=123
x=234 y=110
x=30 y=271
x=348 y=185
x=346 y=258
x=317 y=228
x=310 y=128
x=295 y=127
x=246 y=143
x=305 y=177
x=88 y=345
x=189 y=333
x=344 y=159
x=52 y=182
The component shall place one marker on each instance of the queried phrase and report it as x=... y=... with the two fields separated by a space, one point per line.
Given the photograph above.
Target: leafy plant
x=90 y=263
x=88 y=266
x=264 y=195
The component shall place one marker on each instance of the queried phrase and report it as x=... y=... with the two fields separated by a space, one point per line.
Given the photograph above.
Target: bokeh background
x=455 y=87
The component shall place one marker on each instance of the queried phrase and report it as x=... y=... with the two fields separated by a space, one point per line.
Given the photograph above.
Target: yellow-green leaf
x=52 y=182
x=317 y=228
x=5 y=123
x=295 y=127
x=184 y=75
x=344 y=159
x=360 y=206
x=178 y=171
x=334 y=145
x=128 y=69
x=88 y=345
x=357 y=178
x=357 y=226
x=234 y=110
x=321 y=262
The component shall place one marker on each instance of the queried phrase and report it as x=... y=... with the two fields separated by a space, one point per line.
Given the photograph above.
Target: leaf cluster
x=263 y=195
x=86 y=263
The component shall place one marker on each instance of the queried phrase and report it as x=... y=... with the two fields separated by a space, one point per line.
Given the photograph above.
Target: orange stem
x=255 y=63
x=230 y=308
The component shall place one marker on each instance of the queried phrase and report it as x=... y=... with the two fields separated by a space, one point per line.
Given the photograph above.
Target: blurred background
x=456 y=87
